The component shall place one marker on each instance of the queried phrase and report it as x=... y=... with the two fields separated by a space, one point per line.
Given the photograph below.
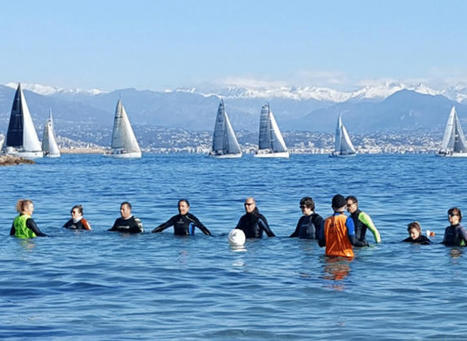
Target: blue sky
x=167 y=44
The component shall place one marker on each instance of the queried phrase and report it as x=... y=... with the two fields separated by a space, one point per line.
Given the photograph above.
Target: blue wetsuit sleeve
x=165 y=225
x=351 y=233
x=263 y=224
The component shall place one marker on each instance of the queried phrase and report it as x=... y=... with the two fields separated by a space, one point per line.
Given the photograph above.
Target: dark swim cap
x=338 y=201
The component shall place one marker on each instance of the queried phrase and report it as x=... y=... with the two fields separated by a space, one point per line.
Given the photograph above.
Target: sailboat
x=343 y=147
x=49 y=143
x=124 y=143
x=21 y=138
x=454 y=144
x=224 y=142
x=271 y=143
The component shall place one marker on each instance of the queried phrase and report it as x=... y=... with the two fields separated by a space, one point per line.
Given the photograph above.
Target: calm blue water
x=104 y=286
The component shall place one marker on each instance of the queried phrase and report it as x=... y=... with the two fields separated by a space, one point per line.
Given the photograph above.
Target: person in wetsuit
x=338 y=234
x=253 y=223
x=415 y=232
x=310 y=224
x=455 y=234
x=77 y=221
x=362 y=222
x=24 y=226
x=127 y=223
x=184 y=223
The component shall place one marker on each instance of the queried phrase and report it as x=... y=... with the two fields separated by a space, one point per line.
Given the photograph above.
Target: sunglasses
x=248 y=203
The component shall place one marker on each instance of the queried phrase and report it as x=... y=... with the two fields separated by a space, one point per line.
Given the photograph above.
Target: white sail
x=454 y=143
x=124 y=143
x=343 y=145
x=224 y=141
x=49 y=143
x=271 y=143
x=22 y=138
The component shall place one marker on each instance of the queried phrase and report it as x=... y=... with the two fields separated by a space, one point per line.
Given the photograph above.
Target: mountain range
x=388 y=107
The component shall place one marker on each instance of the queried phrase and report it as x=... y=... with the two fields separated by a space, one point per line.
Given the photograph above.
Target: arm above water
x=295 y=233
x=165 y=225
x=365 y=219
x=263 y=224
x=199 y=224
x=31 y=224
x=12 y=230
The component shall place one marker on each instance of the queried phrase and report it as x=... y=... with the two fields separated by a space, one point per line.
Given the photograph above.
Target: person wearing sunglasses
x=253 y=223
x=455 y=234
x=77 y=221
x=310 y=224
x=362 y=221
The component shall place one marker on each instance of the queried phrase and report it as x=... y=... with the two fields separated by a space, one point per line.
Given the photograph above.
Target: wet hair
x=307 y=202
x=414 y=225
x=183 y=200
x=126 y=203
x=21 y=204
x=353 y=198
x=455 y=210
x=79 y=207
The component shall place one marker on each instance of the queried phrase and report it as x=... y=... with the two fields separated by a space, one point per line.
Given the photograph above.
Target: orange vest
x=337 y=240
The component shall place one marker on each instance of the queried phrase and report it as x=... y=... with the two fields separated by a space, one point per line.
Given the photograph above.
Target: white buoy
x=237 y=237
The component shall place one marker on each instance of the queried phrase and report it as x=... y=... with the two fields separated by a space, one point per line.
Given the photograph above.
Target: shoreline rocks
x=10 y=160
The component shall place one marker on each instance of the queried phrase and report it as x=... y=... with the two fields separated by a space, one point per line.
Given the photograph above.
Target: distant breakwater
x=9 y=160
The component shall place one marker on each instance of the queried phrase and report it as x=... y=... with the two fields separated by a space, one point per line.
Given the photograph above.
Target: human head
x=414 y=229
x=183 y=206
x=77 y=211
x=454 y=215
x=25 y=206
x=125 y=210
x=352 y=204
x=307 y=205
x=250 y=205
x=338 y=203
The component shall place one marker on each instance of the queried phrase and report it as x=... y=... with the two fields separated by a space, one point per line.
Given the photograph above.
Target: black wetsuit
x=253 y=225
x=420 y=240
x=130 y=225
x=30 y=224
x=455 y=236
x=82 y=224
x=184 y=225
x=309 y=227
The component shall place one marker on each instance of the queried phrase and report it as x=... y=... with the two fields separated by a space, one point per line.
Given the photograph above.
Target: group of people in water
x=339 y=233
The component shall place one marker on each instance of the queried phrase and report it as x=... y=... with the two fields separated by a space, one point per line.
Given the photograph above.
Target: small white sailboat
x=454 y=144
x=124 y=143
x=49 y=143
x=271 y=142
x=224 y=142
x=21 y=139
x=343 y=147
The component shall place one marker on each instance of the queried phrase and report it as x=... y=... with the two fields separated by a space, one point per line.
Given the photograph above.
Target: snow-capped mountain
x=48 y=90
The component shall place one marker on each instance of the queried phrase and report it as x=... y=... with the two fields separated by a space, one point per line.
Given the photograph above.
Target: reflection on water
x=336 y=269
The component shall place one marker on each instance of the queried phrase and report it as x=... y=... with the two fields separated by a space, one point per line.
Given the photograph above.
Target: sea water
x=107 y=286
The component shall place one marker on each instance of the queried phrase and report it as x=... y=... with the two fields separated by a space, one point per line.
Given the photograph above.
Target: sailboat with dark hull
x=224 y=141
x=271 y=143
x=124 y=143
x=21 y=139
x=49 y=143
x=343 y=146
x=454 y=144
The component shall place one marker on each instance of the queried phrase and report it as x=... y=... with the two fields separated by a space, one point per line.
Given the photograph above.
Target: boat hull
x=261 y=154
x=52 y=155
x=342 y=155
x=452 y=154
x=133 y=155
x=24 y=154
x=226 y=156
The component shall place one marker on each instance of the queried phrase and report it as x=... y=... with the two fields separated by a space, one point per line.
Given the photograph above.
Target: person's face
x=29 y=209
x=351 y=206
x=183 y=208
x=454 y=218
x=75 y=213
x=414 y=234
x=125 y=211
x=305 y=210
x=249 y=205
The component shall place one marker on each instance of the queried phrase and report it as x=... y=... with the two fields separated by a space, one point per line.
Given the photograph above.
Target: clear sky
x=167 y=44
